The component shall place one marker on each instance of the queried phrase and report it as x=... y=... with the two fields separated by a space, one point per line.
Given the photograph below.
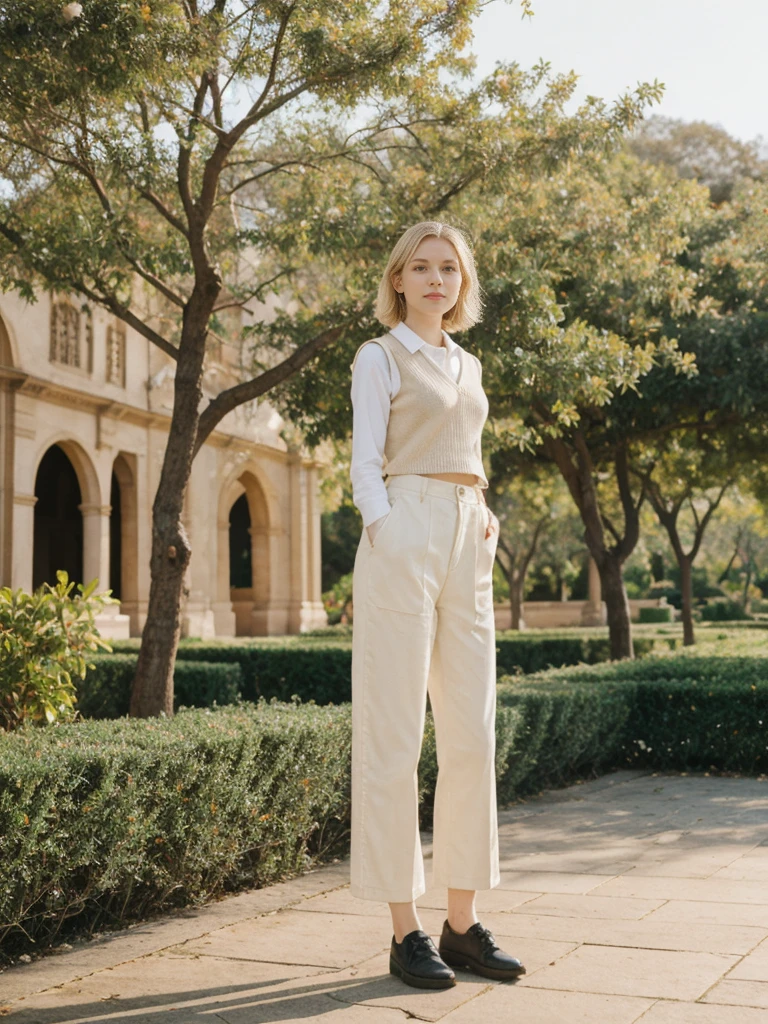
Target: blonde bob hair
x=391 y=305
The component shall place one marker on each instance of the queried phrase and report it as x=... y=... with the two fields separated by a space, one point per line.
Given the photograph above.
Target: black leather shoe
x=417 y=962
x=477 y=951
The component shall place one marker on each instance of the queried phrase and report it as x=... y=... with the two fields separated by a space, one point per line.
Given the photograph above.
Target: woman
x=423 y=610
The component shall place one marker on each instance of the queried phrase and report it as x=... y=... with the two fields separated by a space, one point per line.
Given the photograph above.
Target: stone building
x=85 y=407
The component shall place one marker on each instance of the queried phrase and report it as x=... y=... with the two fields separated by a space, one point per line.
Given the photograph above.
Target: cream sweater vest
x=435 y=424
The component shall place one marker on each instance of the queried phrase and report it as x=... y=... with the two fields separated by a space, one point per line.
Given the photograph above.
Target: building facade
x=85 y=408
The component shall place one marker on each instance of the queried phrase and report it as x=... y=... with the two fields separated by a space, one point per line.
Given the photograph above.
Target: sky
x=711 y=56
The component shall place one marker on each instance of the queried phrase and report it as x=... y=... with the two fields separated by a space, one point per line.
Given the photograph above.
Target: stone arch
x=67 y=513
x=7 y=406
x=251 y=605
x=124 y=537
x=6 y=350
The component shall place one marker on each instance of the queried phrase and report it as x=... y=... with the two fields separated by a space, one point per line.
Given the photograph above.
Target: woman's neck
x=429 y=329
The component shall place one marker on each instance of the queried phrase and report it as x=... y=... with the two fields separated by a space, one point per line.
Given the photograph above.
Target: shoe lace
x=422 y=947
x=486 y=938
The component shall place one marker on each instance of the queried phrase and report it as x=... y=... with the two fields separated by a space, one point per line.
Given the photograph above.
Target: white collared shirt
x=373 y=388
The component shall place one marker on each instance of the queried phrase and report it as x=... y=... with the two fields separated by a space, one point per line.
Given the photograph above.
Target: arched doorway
x=240 y=545
x=244 y=560
x=6 y=456
x=58 y=530
x=115 y=539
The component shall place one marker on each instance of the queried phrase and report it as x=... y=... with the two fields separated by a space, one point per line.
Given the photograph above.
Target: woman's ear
x=397 y=282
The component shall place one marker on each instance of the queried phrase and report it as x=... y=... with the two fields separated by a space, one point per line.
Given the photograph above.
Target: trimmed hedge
x=104 y=822
x=106 y=690
x=320 y=669
x=683 y=713
x=724 y=611
x=662 y=614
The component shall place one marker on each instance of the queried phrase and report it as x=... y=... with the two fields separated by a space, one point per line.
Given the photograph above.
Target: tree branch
x=257 y=386
x=125 y=314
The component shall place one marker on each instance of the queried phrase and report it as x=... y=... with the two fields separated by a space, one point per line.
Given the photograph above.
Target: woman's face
x=431 y=279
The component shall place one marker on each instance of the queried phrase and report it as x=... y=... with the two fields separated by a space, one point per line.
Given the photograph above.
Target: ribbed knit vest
x=435 y=424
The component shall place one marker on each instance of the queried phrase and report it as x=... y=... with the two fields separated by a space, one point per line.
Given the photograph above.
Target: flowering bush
x=44 y=640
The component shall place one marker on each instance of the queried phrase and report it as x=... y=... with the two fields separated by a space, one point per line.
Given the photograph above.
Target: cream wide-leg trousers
x=423 y=621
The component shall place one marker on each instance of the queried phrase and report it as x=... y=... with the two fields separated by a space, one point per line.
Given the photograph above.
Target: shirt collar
x=412 y=341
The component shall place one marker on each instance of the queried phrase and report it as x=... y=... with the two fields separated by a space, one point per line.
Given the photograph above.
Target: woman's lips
x=434 y=295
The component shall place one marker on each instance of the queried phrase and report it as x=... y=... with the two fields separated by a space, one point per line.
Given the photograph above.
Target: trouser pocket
x=397 y=556
x=484 y=562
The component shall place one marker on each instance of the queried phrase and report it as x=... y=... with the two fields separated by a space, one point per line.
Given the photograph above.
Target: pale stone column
x=223 y=612
x=197 y=618
x=7 y=430
x=297 y=520
x=96 y=544
x=594 y=612
x=111 y=624
x=23 y=540
x=316 y=613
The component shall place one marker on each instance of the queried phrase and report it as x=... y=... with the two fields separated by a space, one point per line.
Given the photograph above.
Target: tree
x=529 y=505
x=693 y=475
x=696 y=149
x=130 y=153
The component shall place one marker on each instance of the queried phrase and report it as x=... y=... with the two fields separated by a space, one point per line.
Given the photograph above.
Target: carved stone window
x=116 y=354
x=65 y=334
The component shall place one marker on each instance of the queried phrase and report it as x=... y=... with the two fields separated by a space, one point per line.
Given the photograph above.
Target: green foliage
x=320 y=669
x=685 y=712
x=106 y=822
x=724 y=611
x=528 y=652
x=45 y=641
x=656 y=614
x=106 y=690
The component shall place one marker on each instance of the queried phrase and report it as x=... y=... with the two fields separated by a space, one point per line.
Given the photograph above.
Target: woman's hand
x=493 y=524
x=374 y=527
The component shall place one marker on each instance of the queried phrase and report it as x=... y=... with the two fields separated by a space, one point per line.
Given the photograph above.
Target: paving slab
x=755 y=966
x=606 y=907
x=650 y=933
x=158 y=983
x=634 y=972
x=638 y=897
x=739 y=993
x=550 y=881
x=537 y=1006
x=294 y=937
x=708 y=913
x=699 y=1013
x=719 y=891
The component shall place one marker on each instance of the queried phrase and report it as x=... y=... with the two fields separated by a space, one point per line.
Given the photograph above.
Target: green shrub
x=684 y=712
x=724 y=611
x=316 y=666
x=106 y=690
x=662 y=614
x=138 y=815
x=528 y=653
x=104 y=822
x=45 y=640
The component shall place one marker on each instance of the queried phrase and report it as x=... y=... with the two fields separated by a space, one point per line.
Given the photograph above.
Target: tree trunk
x=516 y=585
x=686 y=588
x=617 y=605
x=152 y=692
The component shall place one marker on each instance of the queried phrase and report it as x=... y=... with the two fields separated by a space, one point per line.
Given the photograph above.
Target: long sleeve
x=371 y=396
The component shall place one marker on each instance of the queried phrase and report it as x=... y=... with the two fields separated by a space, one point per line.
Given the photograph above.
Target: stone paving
x=635 y=897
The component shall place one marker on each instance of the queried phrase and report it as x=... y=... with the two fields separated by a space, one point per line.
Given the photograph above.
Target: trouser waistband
x=426 y=485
